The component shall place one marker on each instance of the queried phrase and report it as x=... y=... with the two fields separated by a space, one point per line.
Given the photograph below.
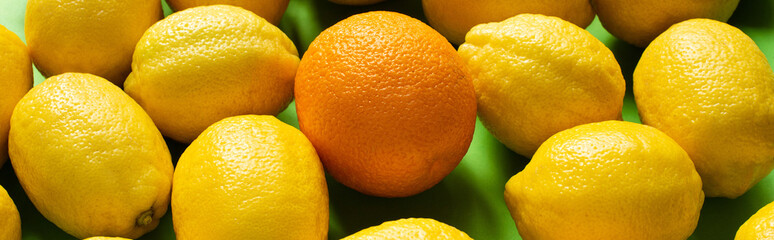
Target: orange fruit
x=387 y=102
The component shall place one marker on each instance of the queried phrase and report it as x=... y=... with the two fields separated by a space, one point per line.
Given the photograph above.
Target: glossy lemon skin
x=638 y=22
x=96 y=37
x=250 y=177
x=708 y=86
x=15 y=79
x=760 y=226
x=356 y=2
x=89 y=158
x=271 y=10
x=454 y=18
x=410 y=229
x=10 y=223
x=606 y=180
x=106 y=238
x=536 y=75
x=183 y=79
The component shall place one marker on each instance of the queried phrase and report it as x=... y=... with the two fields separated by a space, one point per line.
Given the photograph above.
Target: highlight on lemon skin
x=587 y=182
x=722 y=112
x=387 y=103
x=537 y=75
x=410 y=229
x=454 y=18
x=759 y=226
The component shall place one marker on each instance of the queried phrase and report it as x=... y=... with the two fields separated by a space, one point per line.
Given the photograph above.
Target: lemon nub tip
x=145 y=218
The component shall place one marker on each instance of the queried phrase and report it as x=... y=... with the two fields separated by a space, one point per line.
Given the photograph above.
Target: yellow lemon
x=89 y=158
x=107 y=238
x=606 y=180
x=536 y=75
x=96 y=37
x=203 y=64
x=356 y=2
x=270 y=10
x=759 y=227
x=454 y=18
x=10 y=223
x=250 y=177
x=15 y=80
x=410 y=229
x=639 y=21
x=709 y=87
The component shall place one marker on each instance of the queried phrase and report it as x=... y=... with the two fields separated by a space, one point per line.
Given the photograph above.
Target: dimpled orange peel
x=387 y=103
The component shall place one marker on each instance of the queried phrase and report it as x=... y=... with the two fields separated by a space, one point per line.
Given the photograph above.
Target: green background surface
x=471 y=197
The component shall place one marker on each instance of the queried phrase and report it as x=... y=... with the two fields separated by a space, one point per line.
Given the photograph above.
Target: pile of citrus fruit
x=386 y=105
